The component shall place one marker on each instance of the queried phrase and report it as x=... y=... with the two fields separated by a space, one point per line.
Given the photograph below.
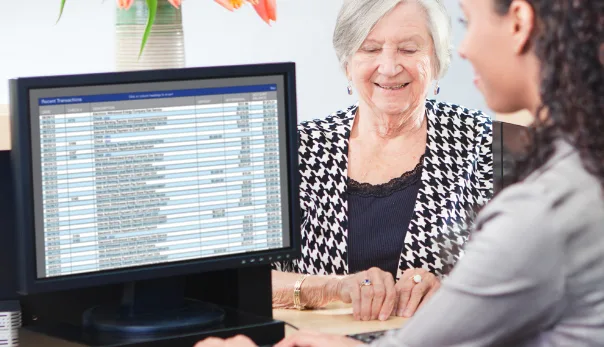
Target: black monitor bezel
x=21 y=158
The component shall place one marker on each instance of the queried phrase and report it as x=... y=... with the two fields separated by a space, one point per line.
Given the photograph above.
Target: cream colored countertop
x=4 y=128
x=334 y=319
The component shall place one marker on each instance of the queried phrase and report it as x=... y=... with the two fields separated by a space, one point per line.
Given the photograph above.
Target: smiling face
x=393 y=69
x=495 y=44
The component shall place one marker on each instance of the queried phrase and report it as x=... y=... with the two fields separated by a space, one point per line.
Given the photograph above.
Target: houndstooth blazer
x=457 y=179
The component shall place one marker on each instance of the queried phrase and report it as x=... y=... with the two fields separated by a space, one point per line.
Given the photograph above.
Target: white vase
x=165 y=47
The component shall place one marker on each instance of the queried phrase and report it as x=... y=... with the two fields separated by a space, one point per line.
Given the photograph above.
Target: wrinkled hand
x=411 y=295
x=237 y=341
x=315 y=339
x=368 y=302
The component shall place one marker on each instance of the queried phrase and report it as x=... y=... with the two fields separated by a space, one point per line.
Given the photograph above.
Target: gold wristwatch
x=297 y=286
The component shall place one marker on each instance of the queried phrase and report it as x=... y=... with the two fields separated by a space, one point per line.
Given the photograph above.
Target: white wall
x=31 y=44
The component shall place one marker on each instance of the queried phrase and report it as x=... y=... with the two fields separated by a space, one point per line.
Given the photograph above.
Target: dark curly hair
x=568 y=41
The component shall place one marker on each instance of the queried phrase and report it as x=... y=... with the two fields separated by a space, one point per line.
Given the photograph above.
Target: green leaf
x=61 y=10
x=152 y=6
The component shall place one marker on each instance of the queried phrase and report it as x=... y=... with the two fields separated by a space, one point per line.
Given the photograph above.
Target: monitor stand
x=156 y=313
x=152 y=307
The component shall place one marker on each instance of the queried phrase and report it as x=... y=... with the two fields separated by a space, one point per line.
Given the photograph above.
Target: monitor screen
x=127 y=175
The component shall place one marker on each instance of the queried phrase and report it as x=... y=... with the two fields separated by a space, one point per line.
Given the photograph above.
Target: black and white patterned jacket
x=457 y=178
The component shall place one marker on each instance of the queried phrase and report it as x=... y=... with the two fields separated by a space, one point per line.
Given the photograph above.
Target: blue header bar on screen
x=65 y=100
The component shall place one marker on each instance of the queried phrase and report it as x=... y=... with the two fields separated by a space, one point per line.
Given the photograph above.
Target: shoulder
x=563 y=176
x=574 y=196
x=334 y=122
x=334 y=128
x=543 y=226
x=458 y=117
x=557 y=200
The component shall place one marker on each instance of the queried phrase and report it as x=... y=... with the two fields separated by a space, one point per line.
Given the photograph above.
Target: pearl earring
x=436 y=89
x=349 y=88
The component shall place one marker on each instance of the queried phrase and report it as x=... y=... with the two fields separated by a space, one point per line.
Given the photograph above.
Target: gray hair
x=357 y=18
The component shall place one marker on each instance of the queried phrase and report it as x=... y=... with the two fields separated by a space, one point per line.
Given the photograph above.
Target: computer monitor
x=508 y=143
x=132 y=176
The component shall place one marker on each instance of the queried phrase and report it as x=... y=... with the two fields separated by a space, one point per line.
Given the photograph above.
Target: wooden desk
x=31 y=339
x=335 y=319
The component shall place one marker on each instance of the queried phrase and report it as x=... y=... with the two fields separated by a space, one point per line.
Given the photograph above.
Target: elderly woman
x=389 y=184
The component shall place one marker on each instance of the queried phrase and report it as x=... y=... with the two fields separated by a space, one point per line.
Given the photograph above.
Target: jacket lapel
x=325 y=247
x=436 y=230
x=341 y=184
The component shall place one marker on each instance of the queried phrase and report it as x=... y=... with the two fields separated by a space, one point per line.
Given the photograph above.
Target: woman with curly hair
x=533 y=272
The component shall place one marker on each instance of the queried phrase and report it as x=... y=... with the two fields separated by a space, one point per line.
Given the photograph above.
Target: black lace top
x=379 y=217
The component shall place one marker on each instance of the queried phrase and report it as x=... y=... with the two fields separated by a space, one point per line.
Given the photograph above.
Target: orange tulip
x=266 y=9
x=230 y=4
x=124 y=4
x=175 y=3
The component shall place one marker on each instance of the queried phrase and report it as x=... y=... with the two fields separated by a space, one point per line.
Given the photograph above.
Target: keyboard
x=368 y=337
x=363 y=337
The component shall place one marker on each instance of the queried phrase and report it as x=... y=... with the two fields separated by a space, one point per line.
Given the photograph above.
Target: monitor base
x=190 y=315
x=262 y=330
